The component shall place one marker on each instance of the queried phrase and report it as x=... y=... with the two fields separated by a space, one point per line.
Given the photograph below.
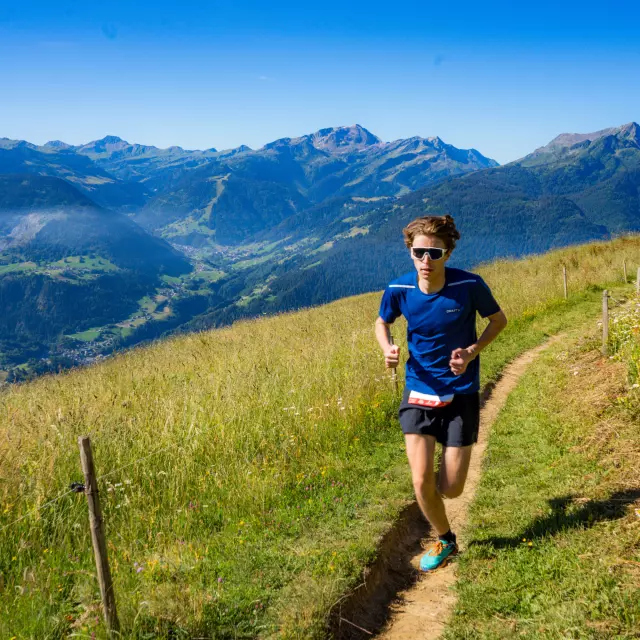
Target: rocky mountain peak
x=344 y=139
x=58 y=144
x=630 y=130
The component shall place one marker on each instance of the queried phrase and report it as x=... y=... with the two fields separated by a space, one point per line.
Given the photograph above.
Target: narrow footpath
x=422 y=611
x=396 y=601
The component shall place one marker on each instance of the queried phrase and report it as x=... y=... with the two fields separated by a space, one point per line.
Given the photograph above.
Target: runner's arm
x=461 y=357
x=391 y=351
x=497 y=322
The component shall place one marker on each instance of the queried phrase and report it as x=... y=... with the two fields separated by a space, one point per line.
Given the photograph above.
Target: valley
x=206 y=238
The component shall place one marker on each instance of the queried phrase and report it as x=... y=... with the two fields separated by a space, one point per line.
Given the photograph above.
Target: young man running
x=441 y=400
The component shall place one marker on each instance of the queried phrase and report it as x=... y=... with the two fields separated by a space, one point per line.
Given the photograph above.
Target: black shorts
x=455 y=425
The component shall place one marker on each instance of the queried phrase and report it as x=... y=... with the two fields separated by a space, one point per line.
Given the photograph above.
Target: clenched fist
x=392 y=356
x=460 y=359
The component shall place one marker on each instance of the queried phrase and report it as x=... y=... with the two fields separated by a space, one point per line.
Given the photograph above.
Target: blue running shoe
x=438 y=555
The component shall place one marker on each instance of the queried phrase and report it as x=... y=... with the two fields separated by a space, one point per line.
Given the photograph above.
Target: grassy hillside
x=553 y=542
x=251 y=469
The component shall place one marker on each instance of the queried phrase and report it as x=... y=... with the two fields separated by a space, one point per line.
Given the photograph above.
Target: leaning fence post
x=624 y=267
x=564 y=280
x=394 y=371
x=98 y=538
x=605 y=322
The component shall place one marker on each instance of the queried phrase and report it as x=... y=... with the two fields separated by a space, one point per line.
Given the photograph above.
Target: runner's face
x=427 y=268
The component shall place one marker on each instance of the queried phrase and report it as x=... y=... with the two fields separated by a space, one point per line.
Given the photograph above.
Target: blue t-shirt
x=438 y=323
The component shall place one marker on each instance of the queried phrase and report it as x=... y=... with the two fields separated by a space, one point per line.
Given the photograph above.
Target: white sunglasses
x=434 y=253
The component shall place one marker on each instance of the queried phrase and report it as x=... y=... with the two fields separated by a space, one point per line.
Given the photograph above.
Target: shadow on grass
x=568 y=512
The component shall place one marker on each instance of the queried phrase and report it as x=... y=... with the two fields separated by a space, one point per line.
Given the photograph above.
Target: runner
x=441 y=401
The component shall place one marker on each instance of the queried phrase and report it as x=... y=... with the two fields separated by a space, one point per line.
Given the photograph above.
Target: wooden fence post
x=605 y=322
x=394 y=371
x=98 y=538
x=638 y=281
x=624 y=268
x=564 y=280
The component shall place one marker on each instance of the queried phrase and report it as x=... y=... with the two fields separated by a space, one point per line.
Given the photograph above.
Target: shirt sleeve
x=483 y=299
x=390 y=305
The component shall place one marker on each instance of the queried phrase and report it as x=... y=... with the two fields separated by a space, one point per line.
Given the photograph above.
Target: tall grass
x=255 y=466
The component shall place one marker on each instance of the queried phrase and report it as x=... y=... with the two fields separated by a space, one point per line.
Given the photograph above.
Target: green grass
x=251 y=262
x=71 y=263
x=18 y=267
x=86 y=336
x=171 y=279
x=553 y=543
x=279 y=465
x=83 y=262
x=210 y=275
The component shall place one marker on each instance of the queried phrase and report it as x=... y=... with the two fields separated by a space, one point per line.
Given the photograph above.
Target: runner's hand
x=392 y=356
x=460 y=359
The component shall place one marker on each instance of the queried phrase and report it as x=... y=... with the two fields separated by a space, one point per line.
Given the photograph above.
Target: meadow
x=247 y=473
x=553 y=544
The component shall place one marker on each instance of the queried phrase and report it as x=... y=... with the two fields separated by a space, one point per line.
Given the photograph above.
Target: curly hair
x=442 y=227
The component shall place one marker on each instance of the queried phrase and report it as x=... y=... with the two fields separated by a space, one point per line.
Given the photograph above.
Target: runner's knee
x=425 y=486
x=452 y=491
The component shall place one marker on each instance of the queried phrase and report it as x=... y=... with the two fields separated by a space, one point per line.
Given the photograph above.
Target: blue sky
x=503 y=77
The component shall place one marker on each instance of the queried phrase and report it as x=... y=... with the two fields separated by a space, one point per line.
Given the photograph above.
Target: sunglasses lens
x=433 y=252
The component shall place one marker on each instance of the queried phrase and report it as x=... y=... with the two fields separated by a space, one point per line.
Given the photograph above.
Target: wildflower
x=220 y=580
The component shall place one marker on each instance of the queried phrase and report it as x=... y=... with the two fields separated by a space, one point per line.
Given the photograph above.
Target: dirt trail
x=398 y=599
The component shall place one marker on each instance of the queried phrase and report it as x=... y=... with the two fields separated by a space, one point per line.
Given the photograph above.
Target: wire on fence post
x=624 y=267
x=98 y=538
x=605 y=322
x=394 y=371
x=564 y=280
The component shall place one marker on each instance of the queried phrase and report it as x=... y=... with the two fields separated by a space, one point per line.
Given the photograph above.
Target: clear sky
x=503 y=77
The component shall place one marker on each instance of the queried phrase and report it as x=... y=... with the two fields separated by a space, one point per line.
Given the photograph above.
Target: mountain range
x=211 y=236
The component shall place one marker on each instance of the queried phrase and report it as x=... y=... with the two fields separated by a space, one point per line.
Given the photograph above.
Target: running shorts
x=454 y=425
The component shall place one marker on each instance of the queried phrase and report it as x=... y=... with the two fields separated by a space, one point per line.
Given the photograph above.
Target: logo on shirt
x=453 y=310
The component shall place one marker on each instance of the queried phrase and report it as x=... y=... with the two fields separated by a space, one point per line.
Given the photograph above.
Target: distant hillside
x=64 y=240
x=555 y=197
x=67 y=264
x=207 y=199
x=306 y=220
x=231 y=197
x=61 y=161
x=46 y=218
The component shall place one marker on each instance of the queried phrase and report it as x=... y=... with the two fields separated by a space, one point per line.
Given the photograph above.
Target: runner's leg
x=420 y=452
x=454 y=466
